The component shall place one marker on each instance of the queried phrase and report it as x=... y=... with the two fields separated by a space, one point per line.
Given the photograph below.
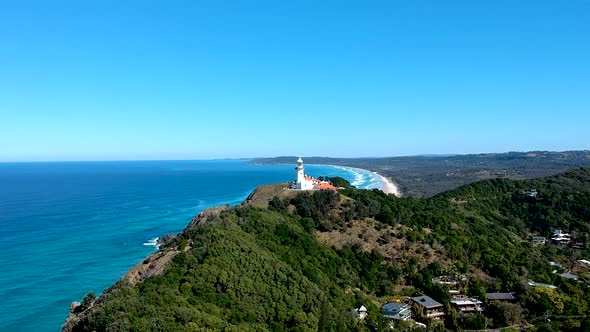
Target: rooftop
x=393 y=306
x=501 y=296
x=568 y=275
x=540 y=284
x=426 y=301
x=324 y=186
x=466 y=302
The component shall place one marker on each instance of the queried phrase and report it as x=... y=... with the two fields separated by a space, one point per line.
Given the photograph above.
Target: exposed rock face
x=166 y=239
x=151 y=266
x=74 y=307
x=202 y=217
x=71 y=321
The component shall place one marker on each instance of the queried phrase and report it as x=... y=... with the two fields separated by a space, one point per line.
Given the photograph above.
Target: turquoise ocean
x=70 y=227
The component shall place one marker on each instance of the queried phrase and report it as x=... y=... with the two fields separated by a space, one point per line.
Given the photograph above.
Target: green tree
x=87 y=301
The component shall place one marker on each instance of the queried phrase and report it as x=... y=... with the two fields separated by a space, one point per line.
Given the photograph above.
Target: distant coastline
x=426 y=176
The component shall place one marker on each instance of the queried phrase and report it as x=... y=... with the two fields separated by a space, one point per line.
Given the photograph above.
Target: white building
x=305 y=182
x=468 y=305
x=560 y=237
x=361 y=312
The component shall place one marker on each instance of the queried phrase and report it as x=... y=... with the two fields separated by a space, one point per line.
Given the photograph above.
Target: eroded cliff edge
x=155 y=264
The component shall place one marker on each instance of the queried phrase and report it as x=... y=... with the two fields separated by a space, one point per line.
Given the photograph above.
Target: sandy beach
x=389 y=187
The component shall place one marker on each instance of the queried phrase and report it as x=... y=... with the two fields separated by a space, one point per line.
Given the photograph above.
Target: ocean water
x=68 y=228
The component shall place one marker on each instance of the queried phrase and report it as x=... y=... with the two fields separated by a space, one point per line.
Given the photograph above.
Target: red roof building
x=324 y=186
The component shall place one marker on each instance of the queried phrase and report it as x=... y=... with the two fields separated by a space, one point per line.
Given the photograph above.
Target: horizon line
x=426 y=155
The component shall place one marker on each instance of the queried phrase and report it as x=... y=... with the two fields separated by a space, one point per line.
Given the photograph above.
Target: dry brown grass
x=151 y=266
x=370 y=235
x=264 y=193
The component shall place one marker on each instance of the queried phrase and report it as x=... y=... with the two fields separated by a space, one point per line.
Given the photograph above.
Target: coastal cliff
x=153 y=265
x=292 y=260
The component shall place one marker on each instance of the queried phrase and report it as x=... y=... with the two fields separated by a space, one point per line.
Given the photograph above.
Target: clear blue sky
x=96 y=80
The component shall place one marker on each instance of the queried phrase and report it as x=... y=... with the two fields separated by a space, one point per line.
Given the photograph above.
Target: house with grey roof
x=500 y=297
x=428 y=307
x=538 y=240
x=396 y=311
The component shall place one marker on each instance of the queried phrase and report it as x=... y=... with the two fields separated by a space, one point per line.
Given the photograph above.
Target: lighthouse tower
x=302 y=183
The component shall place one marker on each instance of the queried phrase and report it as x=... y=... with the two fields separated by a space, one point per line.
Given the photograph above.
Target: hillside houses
x=538 y=240
x=468 y=305
x=459 y=306
x=453 y=281
x=396 y=311
x=560 y=237
x=501 y=297
x=427 y=307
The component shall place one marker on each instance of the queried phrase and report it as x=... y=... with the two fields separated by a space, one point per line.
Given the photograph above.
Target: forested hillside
x=306 y=261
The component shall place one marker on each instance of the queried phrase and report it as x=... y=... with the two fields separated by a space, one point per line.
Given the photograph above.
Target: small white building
x=361 y=312
x=468 y=305
x=560 y=237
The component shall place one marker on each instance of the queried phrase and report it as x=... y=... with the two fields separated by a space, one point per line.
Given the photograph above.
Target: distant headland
x=427 y=175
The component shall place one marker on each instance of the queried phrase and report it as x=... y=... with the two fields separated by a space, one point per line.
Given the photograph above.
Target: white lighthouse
x=302 y=182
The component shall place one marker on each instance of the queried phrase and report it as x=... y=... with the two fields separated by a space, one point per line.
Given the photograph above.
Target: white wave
x=361 y=178
x=152 y=242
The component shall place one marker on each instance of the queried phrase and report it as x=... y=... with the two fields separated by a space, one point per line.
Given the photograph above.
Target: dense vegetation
x=250 y=268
